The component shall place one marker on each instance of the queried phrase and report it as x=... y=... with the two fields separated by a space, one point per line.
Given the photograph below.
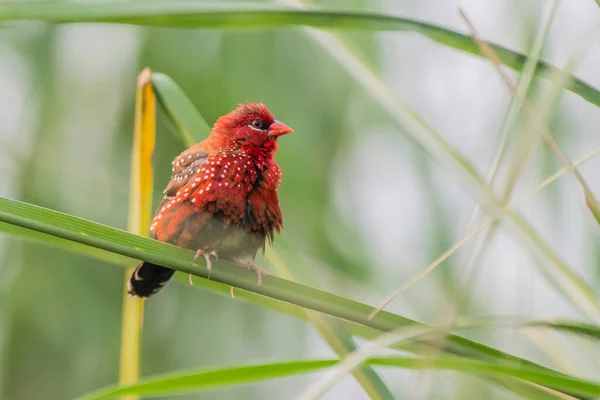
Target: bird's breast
x=229 y=197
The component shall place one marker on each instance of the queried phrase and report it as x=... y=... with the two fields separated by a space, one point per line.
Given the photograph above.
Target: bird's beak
x=279 y=128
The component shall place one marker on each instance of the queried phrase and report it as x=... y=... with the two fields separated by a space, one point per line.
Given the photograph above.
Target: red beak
x=279 y=128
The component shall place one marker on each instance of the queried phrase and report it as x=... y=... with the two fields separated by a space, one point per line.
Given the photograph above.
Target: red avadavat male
x=222 y=198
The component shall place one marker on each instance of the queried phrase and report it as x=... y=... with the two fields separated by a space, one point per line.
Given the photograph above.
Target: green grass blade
x=256 y=15
x=195 y=381
x=180 y=110
x=138 y=222
x=141 y=248
x=574 y=386
x=186 y=381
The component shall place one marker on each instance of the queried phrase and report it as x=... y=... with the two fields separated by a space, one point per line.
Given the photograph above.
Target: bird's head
x=250 y=127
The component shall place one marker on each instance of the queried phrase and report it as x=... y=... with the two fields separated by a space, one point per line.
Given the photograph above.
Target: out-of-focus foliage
x=364 y=207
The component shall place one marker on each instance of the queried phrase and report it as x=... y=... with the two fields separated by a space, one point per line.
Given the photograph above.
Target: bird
x=222 y=199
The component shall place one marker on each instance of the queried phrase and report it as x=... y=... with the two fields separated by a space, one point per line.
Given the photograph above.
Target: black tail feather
x=148 y=279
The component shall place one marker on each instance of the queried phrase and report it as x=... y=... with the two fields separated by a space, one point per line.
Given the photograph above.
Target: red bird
x=222 y=198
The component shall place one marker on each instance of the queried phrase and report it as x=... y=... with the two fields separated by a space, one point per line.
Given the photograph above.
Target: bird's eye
x=259 y=124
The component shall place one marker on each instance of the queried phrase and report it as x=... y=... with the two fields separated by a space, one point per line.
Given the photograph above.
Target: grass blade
x=140 y=206
x=257 y=15
x=578 y=387
x=186 y=381
x=180 y=110
x=199 y=380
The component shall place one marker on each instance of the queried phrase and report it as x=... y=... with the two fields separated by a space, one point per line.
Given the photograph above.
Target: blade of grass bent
x=180 y=110
x=194 y=381
x=140 y=206
x=256 y=15
x=193 y=128
x=187 y=381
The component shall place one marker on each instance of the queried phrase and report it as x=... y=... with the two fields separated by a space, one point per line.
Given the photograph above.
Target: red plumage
x=222 y=198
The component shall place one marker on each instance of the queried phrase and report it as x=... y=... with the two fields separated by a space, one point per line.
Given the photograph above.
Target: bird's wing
x=184 y=168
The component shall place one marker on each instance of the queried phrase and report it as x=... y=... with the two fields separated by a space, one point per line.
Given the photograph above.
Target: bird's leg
x=207 y=258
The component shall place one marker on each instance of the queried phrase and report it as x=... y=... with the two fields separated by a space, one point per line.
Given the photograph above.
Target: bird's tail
x=148 y=279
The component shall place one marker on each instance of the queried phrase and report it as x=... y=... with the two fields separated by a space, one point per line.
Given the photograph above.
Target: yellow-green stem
x=140 y=207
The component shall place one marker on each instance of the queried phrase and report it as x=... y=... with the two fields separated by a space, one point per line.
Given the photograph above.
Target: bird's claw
x=259 y=272
x=207 y=258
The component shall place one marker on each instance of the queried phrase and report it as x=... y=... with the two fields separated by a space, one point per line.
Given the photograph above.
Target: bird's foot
x=259 y=272
x=207 y=258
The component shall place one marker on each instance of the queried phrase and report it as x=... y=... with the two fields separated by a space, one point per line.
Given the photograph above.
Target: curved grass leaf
x=256 y=15
x=574 y=386
x=138 y=222
x=188 y=381
x=180 y=110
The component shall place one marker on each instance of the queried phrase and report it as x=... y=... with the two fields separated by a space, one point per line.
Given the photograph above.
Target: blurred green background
x=364 y=206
